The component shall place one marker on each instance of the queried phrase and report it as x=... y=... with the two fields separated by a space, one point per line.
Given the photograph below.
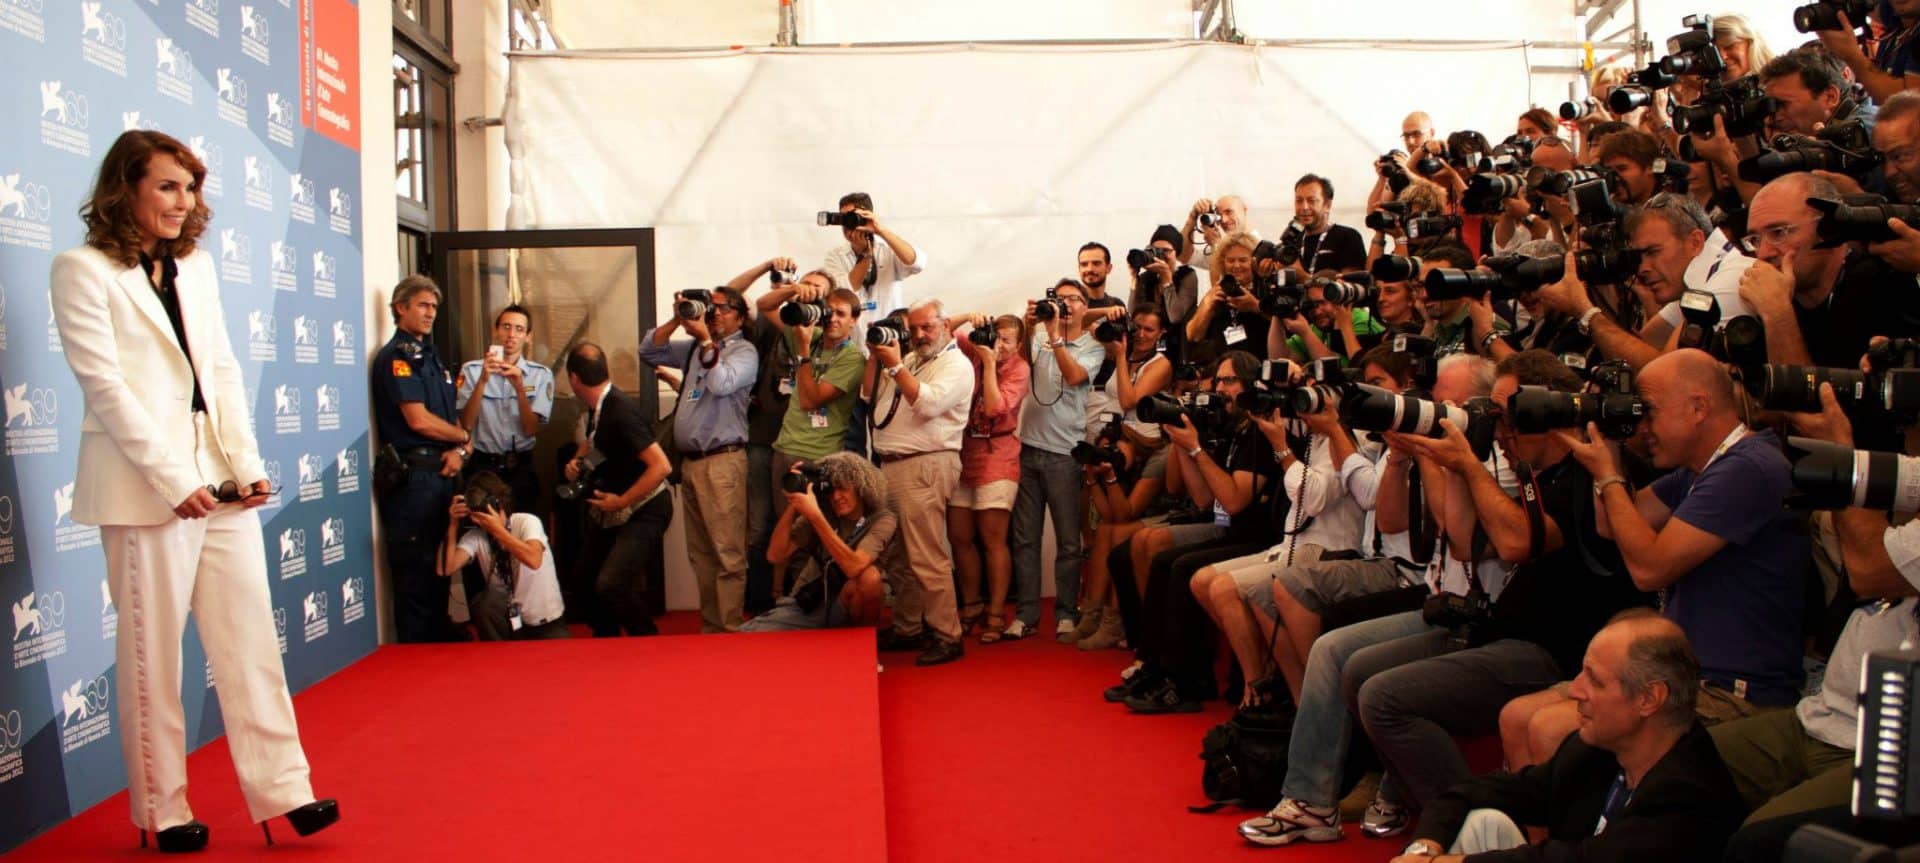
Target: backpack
x=1245 y=761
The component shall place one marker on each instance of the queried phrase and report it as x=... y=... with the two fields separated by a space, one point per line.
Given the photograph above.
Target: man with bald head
x=1712 y=535
x=1416 y=134
x=1232 y=213
x=1820 y=306
x=1641 y=781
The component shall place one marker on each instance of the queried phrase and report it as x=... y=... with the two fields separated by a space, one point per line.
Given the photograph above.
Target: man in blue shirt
x=1053 y=419
x=516 y=397
x=413 y=413
x=710 y=433
x=1713 y=535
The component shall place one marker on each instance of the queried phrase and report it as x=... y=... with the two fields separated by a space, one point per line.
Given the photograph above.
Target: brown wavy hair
x=108 y=213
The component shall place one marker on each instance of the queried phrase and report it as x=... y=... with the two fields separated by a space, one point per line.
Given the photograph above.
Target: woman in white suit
x=170 y=471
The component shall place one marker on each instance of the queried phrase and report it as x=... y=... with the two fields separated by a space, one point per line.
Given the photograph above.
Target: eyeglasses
x=1232 y=380
x=230 y=492
x=724 y=307
x=1777 y=235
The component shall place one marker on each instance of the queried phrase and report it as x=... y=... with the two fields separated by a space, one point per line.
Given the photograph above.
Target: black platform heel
x=179 y=839
x=309 y=819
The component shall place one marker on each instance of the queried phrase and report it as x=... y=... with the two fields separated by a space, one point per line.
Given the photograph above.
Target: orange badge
x=401 y=369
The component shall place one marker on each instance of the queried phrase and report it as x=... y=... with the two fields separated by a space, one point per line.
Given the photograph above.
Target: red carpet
x=741 y=748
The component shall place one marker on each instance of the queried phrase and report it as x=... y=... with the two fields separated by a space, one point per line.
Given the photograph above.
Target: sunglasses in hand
x=231 y=492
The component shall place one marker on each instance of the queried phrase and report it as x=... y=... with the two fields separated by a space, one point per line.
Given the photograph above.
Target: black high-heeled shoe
x=309 y=819
x=180 y=838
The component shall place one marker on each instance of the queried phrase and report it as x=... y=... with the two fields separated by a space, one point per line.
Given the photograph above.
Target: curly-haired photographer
x=1229 y=316
x=840 y=545
x=514 y=594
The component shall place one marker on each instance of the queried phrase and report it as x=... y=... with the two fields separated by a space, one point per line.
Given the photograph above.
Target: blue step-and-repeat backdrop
x=266 y=92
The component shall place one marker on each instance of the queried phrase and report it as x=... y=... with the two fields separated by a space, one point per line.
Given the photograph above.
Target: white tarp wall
x=996 y=162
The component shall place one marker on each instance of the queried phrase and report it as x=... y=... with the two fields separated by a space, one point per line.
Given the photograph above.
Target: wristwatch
x=1486 y=342
x=1586 y=321
x=1421 y=848
x=1600 y=485
x=893 y=371
x=1195 y=452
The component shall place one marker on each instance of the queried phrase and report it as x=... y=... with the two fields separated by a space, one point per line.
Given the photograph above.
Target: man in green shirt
x=823 y=376
x=1323 y=329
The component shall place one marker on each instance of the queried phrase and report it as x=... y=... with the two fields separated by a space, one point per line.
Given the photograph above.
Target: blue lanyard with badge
x=1618 y=796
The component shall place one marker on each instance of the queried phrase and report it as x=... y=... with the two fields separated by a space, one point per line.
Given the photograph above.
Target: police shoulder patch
x=401 y=369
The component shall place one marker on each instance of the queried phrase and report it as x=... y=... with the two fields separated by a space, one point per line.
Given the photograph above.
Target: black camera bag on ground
x=1245 y=760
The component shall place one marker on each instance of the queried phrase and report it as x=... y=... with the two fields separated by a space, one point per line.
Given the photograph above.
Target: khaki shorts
x=998 y=494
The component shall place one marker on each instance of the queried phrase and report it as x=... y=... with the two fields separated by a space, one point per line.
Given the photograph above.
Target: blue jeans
x=1317 y=754
x=788 y=617
x=1048 y=482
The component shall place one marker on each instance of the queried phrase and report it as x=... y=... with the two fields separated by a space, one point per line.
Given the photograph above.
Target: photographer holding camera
x=623 y=474
x=1230 y=314
x=873 y=270
x=989 y=470
x=1214 y=220
x=1891 y=70
x=1791 y=765
x=1450 y=320
x=710 y=433
x=1711 y=536
x=1159 y=279
x=1680 y=250
x=842 y=546
x=1226 y=465
x=518 y=596
x=822 y=374
x=1322 y=329
x=1052 y=420
x=1896 y=137
x=1820 y=306
x=1391 y=171
x=1124 y=482
x=1320 y=518
x=920 y=415
x=1565 y=582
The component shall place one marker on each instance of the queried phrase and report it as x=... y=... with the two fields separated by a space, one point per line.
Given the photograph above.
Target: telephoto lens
x=1351 y=289
x=1577 y=110
x=1138 y=259
x=836 y=219
x=1797 y=389
x=886 y=331
x=1825 y=14
x=1537 y=410
x=1860 y=218
x=1303 y=401
x=1161 y=409
x=1428 y=227
x=693 y=304
x=1370 y=408
x=1447 y=283
x=803 y=314
x=1387 y=217
x=1395 y=268
x=1620 y=100
x=1830 y=476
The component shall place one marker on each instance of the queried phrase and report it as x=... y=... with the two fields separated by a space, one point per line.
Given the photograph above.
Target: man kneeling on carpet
x=855 y=533
x=1641 y=781
x=511 y=590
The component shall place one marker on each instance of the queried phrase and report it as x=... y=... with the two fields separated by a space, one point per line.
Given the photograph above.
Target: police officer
x=423 y=451
x=516 y=399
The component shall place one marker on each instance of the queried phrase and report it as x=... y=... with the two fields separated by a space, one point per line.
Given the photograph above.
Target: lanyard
x=1616 y=801
x=1739 y=432
x=1726 y=248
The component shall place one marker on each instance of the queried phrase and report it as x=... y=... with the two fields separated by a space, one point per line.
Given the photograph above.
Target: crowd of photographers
x=1561 y=448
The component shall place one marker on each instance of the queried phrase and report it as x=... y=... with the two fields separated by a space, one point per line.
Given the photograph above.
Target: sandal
x=995 y=626
x=969 y=619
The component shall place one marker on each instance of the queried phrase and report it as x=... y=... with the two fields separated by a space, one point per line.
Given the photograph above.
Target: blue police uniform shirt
x=497 y=429
x=408 y=369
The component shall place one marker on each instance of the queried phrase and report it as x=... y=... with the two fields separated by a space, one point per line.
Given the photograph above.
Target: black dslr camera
x=837 y=219
x=1120 y=330
x=1693 y=51
x=1049 y=307
x=693 y=305
x=984 y=336
x=1207 y=411
x=480 y=500
x=1612 y=405
x=1461 y=616
x=803 y=314
x=1825 y=14
x=1843 y=148
x=804 y=476
x=887 y=331
x=584 y=485
x=1860 y=218
x=1742 y=103
x=1105 y=446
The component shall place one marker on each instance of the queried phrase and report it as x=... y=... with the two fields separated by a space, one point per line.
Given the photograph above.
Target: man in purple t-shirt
x=1712 y=536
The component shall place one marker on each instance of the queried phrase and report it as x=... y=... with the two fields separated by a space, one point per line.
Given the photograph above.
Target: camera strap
x=1536 y=510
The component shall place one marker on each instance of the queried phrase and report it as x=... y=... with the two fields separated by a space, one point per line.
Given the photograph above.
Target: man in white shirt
x=873 y=270
x=919 y=407
x=1680 y=250
x=518 y=595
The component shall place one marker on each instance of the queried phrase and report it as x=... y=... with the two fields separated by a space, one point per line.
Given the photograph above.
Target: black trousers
x=1170 y=631
x=621 y=560
x=414 y=518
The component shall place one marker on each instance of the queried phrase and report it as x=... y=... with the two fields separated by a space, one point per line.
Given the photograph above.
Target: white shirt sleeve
x=1903 y=547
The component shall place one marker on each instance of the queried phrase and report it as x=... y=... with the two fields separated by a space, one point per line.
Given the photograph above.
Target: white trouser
x=216 y=568
x=1487 y=830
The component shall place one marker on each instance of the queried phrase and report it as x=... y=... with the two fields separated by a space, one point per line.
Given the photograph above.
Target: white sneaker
x=1291 y=822
x=1063 y=628
x=1016 y=631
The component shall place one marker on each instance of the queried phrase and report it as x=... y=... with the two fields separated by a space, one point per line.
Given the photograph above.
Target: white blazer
x=137 y=459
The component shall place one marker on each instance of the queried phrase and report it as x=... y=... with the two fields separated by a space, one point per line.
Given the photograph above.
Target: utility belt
x=501 y=461
x=722 y=450
x=391 y=466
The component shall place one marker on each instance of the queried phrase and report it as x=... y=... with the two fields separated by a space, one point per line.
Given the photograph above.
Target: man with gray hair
x=839 y=533
x=1680 y=251
x=1641 y=781
x=1229 y=216
x=919 y=407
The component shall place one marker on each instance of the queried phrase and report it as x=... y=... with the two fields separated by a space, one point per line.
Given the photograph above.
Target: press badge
x=817 y=418
x=694 y=396
x=513 y=617
x=786 y=386
x=1236 y=334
